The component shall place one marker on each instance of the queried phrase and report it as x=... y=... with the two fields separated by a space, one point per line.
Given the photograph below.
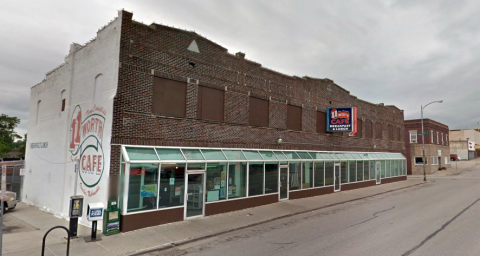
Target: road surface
x=441 y=217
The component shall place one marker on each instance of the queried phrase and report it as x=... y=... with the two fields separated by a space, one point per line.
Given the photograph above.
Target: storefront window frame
x=324 y=156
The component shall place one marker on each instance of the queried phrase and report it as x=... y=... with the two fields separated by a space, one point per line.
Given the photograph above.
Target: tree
x=7 y=133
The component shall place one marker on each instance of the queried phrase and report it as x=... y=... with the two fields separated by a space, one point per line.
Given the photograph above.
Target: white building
x=71 y=115
x=464 y=143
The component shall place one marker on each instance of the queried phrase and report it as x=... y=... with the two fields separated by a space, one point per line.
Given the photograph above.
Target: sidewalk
x=456 y=168
x=32 y=224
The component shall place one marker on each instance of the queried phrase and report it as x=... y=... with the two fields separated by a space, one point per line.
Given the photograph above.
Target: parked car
x=10 y=201
x=454 y=157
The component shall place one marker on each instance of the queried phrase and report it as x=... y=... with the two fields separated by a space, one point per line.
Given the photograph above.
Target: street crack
x=439 y=230
x=375 y=215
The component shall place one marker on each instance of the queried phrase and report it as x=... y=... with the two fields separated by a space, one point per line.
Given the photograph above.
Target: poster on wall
x=342 y=120
x=86 y=146
x=471 y=145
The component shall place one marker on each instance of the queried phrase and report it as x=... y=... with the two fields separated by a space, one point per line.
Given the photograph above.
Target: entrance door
x=378 y=172
x=336 y=173
x=195 y=192
x=283 y=183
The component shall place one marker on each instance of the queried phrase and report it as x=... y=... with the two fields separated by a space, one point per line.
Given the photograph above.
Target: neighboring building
x=437 y=151
x=465 y=143
x=153 y=113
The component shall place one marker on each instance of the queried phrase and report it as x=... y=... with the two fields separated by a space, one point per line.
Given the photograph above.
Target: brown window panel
x=321 y=122
x=359 y=128
x=210 y=103
x=258 y=113
x=294 y=118
x=369 y=129
x=378 y=131
x=63 y=105
x=169 y=97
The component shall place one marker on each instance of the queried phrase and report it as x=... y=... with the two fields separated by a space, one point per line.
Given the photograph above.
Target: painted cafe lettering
x=86 y=135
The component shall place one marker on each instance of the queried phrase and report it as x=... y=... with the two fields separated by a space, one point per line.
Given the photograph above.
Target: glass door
x=378 y=172
x=283 y=184
x=194 y=200
x=336 y=171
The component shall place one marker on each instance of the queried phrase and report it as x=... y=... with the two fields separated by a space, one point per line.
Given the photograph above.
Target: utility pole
x=423 y=139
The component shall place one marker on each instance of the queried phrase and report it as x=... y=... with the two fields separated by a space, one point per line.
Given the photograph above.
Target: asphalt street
x=440 y=217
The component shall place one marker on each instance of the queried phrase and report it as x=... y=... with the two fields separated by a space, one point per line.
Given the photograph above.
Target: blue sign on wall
x=340 y=119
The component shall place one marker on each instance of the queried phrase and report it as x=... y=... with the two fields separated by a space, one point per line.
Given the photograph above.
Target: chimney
x=241 y=55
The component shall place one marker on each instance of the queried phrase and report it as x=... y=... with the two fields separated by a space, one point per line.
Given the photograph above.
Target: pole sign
x=4 y=181
x=342 y=120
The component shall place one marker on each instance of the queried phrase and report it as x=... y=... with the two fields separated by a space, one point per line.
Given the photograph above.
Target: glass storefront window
x=192 y=154
x=388 y=171
x=142 y=187
x=172 y=185
x=252 y=155
x=196 y=166
x=383 y=168
x=237 y=180
x=344 y=172
x=213 y=154
x=216 y=181
x=352 y=167
x=372 y=169
x=170 y=154
x=303 y=155
x=396 y=162
x=359 y=170
x=307 y=175
x=329 y=173
x=234 y=155
x=121 y=184
x=268 y=155
x=255 y=179
x=366 y=174
x=294 y=175
x=279 y=155
x=319 y=178
x=291 y=155
x=141 y=154
x=271 y=177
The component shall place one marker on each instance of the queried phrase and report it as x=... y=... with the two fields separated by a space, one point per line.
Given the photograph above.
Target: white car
x=10 y=201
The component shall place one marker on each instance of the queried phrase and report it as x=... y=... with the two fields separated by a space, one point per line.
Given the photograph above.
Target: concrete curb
x=187 y=241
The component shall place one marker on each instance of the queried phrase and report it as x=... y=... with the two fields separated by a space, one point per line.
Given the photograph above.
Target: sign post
x=4 y=188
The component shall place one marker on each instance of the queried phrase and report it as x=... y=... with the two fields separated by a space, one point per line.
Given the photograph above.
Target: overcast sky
x=402 y=53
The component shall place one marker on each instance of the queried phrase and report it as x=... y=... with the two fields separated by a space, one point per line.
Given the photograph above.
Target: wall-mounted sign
x=39 y=145
x=471 y=146
x=86 y=135
x=342 y=120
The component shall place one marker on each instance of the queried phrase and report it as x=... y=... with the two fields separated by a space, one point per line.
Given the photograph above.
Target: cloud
x=403 y=53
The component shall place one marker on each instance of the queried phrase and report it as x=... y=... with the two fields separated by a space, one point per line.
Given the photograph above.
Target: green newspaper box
x=111 y=219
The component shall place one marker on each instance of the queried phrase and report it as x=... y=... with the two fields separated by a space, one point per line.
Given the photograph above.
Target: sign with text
x=341 y=119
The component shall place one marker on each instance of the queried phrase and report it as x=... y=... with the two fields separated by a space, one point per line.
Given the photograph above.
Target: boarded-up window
x=294 y=118
x=390 y=132
x=369 y=129
x=359 y=128
x=169 y=97
x=378 y=131
x=321 y=122
x=258 y=112
x=210 y=103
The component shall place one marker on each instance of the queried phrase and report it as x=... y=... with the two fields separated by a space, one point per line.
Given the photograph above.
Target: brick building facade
x=437 y=150
x=197 y=131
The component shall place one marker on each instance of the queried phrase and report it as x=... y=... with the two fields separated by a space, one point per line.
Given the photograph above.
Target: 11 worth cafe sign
x=85 y=146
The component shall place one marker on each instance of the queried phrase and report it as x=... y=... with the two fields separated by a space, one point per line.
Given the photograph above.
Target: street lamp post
x=423 y=139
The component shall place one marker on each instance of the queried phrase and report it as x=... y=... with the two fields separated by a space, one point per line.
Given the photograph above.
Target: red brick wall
x=163 y=51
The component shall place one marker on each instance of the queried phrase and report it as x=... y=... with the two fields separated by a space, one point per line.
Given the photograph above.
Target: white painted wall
x=49 y=179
